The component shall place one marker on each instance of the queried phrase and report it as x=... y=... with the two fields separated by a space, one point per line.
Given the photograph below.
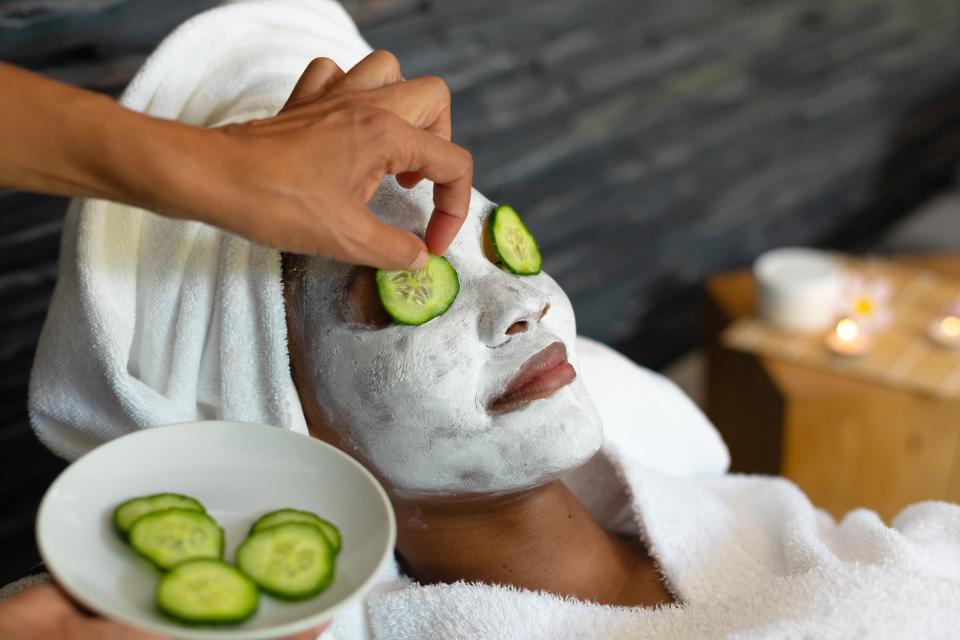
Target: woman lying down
x=538 y=495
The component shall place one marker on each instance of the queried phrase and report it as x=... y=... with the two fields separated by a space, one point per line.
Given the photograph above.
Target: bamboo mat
x=901 y=356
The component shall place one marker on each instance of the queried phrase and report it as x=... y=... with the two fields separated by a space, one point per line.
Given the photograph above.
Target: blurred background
x=647 y=144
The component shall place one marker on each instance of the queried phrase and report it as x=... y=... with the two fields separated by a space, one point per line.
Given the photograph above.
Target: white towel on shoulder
x=748 y=557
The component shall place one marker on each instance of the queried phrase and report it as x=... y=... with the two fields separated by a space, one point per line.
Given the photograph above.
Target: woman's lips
x=538 y=377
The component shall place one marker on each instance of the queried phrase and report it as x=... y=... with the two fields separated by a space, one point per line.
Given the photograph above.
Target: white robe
x=746 y=556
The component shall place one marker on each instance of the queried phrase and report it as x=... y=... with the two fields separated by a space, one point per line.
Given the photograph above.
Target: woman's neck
x=543 y=539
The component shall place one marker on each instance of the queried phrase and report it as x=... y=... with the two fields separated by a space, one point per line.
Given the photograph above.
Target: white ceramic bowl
x=798 y=289
x=238 y=471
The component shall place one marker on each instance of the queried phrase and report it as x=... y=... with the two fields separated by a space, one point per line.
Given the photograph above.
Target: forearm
x=68 y=141
x=298 y=181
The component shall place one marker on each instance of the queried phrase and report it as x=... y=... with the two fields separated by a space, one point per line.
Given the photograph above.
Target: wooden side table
x=846 y=442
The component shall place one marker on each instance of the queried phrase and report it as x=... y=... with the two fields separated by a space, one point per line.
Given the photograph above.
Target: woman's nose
x=509 y=307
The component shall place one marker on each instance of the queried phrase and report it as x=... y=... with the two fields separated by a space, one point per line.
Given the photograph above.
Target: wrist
x=196 y=171
x=141 y=159
x=165 y=166
x=105 y=150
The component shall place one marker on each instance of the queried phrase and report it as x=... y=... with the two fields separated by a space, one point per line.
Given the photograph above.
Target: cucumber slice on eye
x=125 y=515
x=283 y=516
x=291 y=561
x=513 y=242
x=207 y=592
x=416 y=297
x=167 y=538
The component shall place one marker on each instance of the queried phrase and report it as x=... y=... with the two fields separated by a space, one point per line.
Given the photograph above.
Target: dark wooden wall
x=647 y=143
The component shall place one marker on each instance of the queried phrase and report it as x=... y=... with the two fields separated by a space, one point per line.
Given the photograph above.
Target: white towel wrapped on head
x=156 y=321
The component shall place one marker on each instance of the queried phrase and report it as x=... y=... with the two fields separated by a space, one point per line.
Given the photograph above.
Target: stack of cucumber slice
x=289 y=554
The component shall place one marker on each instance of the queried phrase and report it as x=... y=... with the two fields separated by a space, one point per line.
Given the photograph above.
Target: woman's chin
x=567 y=417
x=515 y=451
x=519 y=470
x=549 y=438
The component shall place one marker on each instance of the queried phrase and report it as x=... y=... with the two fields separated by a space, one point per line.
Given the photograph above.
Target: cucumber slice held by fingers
x=291 y=561
x=207 y=591
x=125 y=514
x=416 y=297
x=283 y=516
x=167 y=538
x=513 y=243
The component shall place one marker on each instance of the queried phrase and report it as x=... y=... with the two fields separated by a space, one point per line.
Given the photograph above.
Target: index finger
x=449 y=166
x=444 y=225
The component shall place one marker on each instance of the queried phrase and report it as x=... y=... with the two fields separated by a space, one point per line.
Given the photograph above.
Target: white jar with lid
x=798 y=288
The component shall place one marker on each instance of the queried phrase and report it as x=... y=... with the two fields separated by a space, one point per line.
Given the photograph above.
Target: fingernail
x=420 y=262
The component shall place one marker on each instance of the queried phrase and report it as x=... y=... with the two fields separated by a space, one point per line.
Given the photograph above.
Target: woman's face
x=482 y=399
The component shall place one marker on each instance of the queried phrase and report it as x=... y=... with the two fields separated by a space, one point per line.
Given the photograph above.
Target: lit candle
x=847 y=339
x=946 y=331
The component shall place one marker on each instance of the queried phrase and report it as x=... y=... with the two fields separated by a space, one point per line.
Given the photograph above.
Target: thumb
x=383 y=246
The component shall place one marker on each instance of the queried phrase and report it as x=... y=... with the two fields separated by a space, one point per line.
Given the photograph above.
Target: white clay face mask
x=426 y=405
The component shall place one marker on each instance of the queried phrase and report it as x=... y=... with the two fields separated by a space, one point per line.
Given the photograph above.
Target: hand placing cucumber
x=288 y=553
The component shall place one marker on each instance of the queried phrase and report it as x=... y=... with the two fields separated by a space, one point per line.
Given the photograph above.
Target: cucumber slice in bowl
x=207 y=591
x=417 y=297
x=128 y=511
x=283 y=516
x=513 y=243
x=167 y=538
x=291 y=561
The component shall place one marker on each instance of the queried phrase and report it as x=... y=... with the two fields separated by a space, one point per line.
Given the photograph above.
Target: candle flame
x=950 y=326
x=847 y=330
